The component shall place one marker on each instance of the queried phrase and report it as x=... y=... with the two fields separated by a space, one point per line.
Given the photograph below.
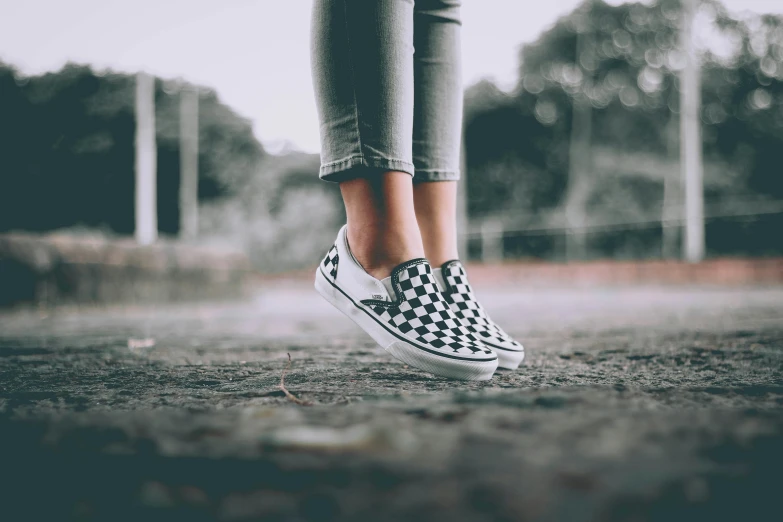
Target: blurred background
x=161 y=217
x=194 y=122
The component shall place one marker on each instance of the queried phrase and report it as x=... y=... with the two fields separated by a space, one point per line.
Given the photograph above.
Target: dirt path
x=634 y=404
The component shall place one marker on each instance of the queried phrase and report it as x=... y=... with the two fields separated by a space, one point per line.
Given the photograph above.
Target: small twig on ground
x=291 y=396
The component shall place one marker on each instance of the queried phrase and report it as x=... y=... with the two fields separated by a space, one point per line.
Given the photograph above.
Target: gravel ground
x=633 y=404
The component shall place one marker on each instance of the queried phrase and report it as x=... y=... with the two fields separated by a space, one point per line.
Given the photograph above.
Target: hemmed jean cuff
x=424 y=176
x=359 y=166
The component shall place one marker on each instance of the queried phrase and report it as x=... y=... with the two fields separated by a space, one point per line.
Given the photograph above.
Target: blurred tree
x=67 y=150
x=67 y=161
x=283 y=219
x=517 y=144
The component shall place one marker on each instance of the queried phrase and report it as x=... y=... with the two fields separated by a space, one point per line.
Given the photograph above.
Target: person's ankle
x=437 y=260
x=379 y=251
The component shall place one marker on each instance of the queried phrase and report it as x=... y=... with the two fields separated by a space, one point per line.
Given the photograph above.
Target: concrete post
x=691 y=141
x=146 y=161
x=491 y=241
x=671 y=218
x=188 y=163
x=579 y=156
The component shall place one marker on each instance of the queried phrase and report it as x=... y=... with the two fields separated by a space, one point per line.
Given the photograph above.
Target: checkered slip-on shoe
x=406 y=314
x=453 y=282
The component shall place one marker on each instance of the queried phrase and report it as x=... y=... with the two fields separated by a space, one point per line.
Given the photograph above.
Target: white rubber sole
x=508 y=360
x=400 y=349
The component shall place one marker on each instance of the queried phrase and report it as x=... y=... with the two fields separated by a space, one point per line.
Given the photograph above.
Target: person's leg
x=437 y=134
x=437 y=127
x=436 y=212
x=362 y=58
x=382 y=227
x=364 y=84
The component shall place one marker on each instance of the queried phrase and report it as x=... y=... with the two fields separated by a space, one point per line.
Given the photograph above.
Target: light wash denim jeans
x=387 y=80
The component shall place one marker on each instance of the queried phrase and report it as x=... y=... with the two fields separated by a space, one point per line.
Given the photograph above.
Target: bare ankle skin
x=382 y=227
x=436 y=212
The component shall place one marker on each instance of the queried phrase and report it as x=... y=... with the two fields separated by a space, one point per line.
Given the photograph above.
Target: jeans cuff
x=359 y=166
x=423 y=176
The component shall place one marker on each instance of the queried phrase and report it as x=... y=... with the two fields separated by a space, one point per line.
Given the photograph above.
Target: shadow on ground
x=633 y=404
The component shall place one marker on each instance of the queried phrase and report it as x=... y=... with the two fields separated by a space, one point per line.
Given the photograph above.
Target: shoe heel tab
x=451 y=263
x=407 y=264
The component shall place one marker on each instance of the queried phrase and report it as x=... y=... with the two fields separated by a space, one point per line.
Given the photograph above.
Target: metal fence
x=494 y=239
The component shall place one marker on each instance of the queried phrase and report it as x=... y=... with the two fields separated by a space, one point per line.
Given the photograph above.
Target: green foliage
x=67 y=161
x=622 y=62
x=67 y=150
x=284 y=219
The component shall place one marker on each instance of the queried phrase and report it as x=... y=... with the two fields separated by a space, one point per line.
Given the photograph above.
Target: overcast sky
x=254 y=53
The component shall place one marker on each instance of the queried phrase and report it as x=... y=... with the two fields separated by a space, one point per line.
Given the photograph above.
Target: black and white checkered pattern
x=421 y=312
x=463 y=302
x=330 y=262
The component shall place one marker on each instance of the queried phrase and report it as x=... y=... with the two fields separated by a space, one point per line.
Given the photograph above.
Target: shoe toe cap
x=506 y=344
